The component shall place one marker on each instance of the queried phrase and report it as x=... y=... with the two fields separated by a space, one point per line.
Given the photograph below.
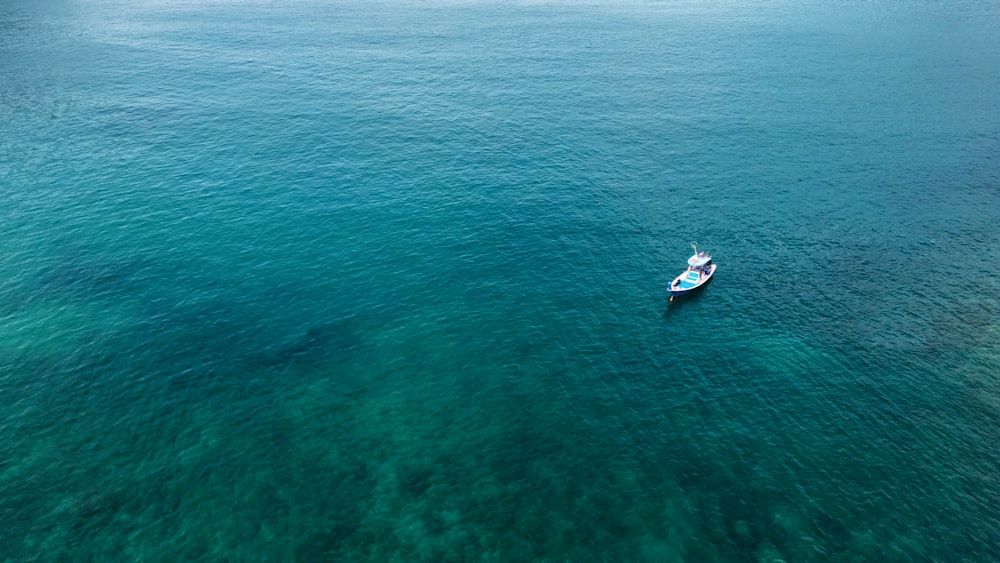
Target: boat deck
x=691 y=279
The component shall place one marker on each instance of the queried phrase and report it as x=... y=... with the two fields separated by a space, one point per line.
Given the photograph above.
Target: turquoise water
x=387 y=281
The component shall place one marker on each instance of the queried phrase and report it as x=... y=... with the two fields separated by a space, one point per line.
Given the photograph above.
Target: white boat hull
x=686 y=282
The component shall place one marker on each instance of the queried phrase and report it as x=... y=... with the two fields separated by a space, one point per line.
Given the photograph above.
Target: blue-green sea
x=387 y=280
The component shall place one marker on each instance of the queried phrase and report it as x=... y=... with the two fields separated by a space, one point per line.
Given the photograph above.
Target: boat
x=699 y=272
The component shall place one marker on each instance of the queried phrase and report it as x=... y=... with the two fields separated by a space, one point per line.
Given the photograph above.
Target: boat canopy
x=699 y=259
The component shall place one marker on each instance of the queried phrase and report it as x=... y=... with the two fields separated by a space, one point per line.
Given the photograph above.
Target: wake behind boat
x=699 y=272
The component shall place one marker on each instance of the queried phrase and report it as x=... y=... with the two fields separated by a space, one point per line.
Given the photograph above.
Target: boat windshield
x=699 y=259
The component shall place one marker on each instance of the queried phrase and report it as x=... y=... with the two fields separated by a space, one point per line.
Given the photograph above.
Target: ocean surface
x=386 y=281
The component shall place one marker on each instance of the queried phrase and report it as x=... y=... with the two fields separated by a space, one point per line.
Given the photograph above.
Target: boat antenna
x=694 y=245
